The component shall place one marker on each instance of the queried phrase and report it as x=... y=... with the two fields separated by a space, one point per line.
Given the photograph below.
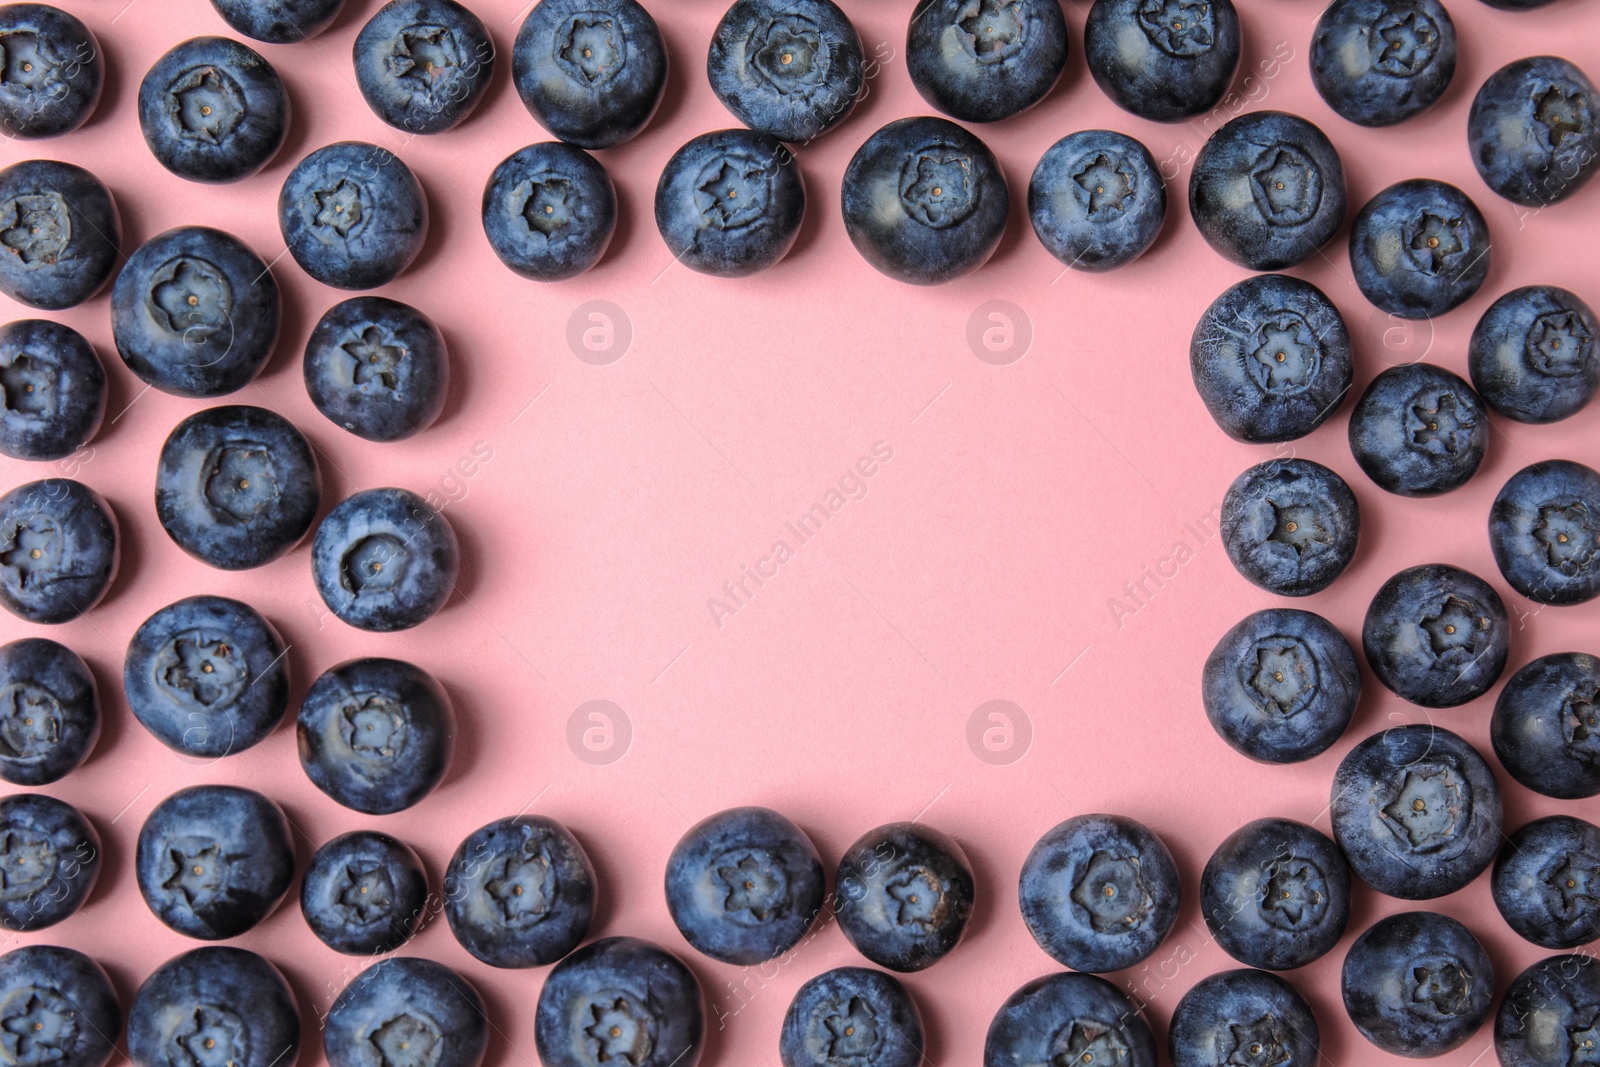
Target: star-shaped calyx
x=548 y=206
x=1559 y=344
x=755 y=885
x=1284 y=675
x=1580 y=724
x=1404 y=43
x=592 y=48
x=373 y=726
x=1576 y=881
x=423 y=56
x=1439 y=424
x=36 y=228
x=734 y=192
x=367 y=893
x=915 y=898
x=30 y=721
x=1431 y=808
x=408 y=1040
x=206 y=104
x=199 y=870
x=27 y=862
x=1089 y=1043
x=201 y=668
x=1562 y=114
x=1261 y=1043
x=1285 y=353
x=28 y=386
x=213 y=1036
x=341 y=209
x=1287 y=185
x=994 y=29
x=1106 y=183
x=1178 y=27
x=32 y=551
x=241 y=480
x=852 y=1032
x=621 y=1030
x=789 y=52
x=1112 y=891
x=28 y=63
x=1583 y=1038
x=1435 y=240
x=377 y=358
x=1570 y=534
x=1294 y=895
x=936 y=186
x=1454 y=628
x=524 y=886
x=38 y=1026
x=1444 y=986
x=1299 y=526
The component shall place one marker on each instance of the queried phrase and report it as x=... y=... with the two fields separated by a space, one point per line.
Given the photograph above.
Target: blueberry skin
x=51 y=855
x=549 y=211
x=1066 y=1018
x=1396 y=264
x=1532 y=356
x=1545 y=723
x=378 y=368
x=228 y=996
x=364 y=893
x=520 y=892
x=206 y=676
x=1419 y=430
x=1380 y=62
x=64 y=997
x=423 y=65
x=1276 y=894
x=1161 y=60
x=798 y=99
x=1547 y=880
x=1077 y=219
x=598 y=100
x=195 y=312
x=401 y=1000
x=66 y=70
x=1397 y=848
x=1544 y=528
x=626 y=984
x=986 y=61
x=353 y=215
x=1417 y=984
x=1533 y=130
x=52 y=390
x=896 y=220
x=214 y=860
x=213 y=110
x=730 y=203
x=279 y=21
x=1548 y=1012
x=75 y=534
x=1436 y=635
x=1267 y=190
x=1290 y=526
x=905 y=893
x=383 y=560
x=744 y=885
x=237 y=486
x=875 y=1006
x=376 y=735
x=1253 y=395
x=1223 y=1017
x=49 y=711
x=60 y=230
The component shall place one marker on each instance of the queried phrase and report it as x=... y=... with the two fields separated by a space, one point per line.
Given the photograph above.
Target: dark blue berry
x=1533 y=356
x=590 y=71
x=378 y=368
x=1164 y=60
x=1419 y=248
x=730 y=202
x=364 y=893
x=59 y=232
x=1243 y=1017
x=905 y=893
x=1097 y=200
x=57 y=1007
x=383 y=560
x=1547 y=882
x=1380 y=62
x=353 y=215
x=279 y=21
x=214 y=1006
x=59 y=550
x=423 y=65
x=520 y=892
x=549 y=211
x=1544 y=529
x=407 y=1012
x=1436 y=635
x=1532 y=130
x=1417 y=984
x=52 y=390
x=1068 y=1019
x=1546 y=725
x=53 y=73
x=213 y=110
x=1548 y=1016
x=622 y=999
x=855 y=1016
x=1290 y=526
x=789 y=68
x=1276 y=894
x=50 y=855
x=986 y=60
x=1419 y=430
x=49 y=711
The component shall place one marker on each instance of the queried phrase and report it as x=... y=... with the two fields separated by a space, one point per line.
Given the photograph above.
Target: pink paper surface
x=1021 y=503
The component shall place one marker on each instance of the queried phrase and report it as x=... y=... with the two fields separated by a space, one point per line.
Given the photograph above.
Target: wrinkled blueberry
x=214 y=1006
x=1419 y=248
x=1417 y=984
x=57 y=1007
x=383 y=560
x=49 y=861
x=59 y=550
x=1533 y=355
x=730 y=202
x=905 y=892
x=213 y=110
x=52 y=390
x=549 y=211
x=279 y=21
x=1546 y=725
x=51 y=71
x=1550 y=1016
x=1419 y=430
x=353 y=215
x=407 y=1012
x=423 y=65
x=1244 y=1018
x=1533 y=130
x=1547 y=882
x=620 y=999
x=590 y=71
x=1164 y=60
x=986 y=60
x=520 y=892
x=49 y=711
x=853 y=1016
x=378 y=368
x=1276 y=894
x=1544 y=529
x=59 y=232
x=1071 y=1020
x=1379 y=62
x=1290 y=526
x=1436 y=635
x=364 y=893
x=789 y=68
x=1097 y=200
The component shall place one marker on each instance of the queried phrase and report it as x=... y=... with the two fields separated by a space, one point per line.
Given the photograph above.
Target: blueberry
x=1380 y=62
x=520 y=892
x=279 y=21
x=52 y=390
x=1547 y=882
x=744 y=885
x=60 y=1006
x=1533 y=356
x=1544 y=529
x=214 y=1005
x=51 y=857
x=59 y=550
x=206 y=676
x=792 y=69
x=1419 y=248
x=1267 y=190
x=1417 y=984
x=376 y=735
x=1271 y=359
x=1532 y=130
x=353 y=215
x=924 y=201
x=730 y=202
x=1546 y=725
x=1099 y=892
x=852 y=1015
x=1068 y=1019
x=195 y=312
x=59 y=231
x=1419 y=430
x=214 y=860
x=53 y=71
x=1097 y=200
x=213 y=110
x=237 y=487
x=1436 y=635
x=423 y=65
x=407 y=1012
x=1290 y=526
x=620 y=998
x=986 y=60
x=590 y=71
x=549 y=211
x=1243 y=1017
x=1276 y=894
x=905 y=893
x=1416 y=811
x=1163 y=60
x=49 y=711
x=383 y=560
x=378 y=368
x=364 y=893
x=1548 y=1017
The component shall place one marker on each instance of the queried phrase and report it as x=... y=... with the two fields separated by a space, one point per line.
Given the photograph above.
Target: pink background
x=980 y=564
